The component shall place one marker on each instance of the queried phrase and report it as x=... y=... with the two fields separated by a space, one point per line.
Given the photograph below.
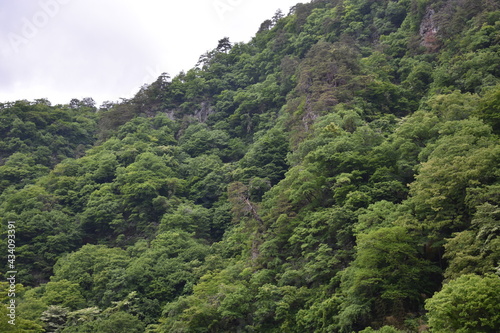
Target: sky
x=108 y=49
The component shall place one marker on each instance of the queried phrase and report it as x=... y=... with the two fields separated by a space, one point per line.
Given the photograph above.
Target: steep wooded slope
x=328 y=176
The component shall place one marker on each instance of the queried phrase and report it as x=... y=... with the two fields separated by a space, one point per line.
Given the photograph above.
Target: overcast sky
x=107 y=49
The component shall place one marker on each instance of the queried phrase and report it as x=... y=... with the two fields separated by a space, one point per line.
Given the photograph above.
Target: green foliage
x=168 y=268
x=116 y=322
x=20 y=169
x=489 y=108
x=387 y=277
x=47 y=133
x=454 y=106
x=63 y=293
x=23 y=320
x=119 y=322
x=376 y=216
x=198 y=139
x=310 y=180
x=469 y=303
x=385 y=329
x=463 y=159
x=266 y=159
x=477 y=249
x=97 y=270
x=44 y=231
x=54 y=318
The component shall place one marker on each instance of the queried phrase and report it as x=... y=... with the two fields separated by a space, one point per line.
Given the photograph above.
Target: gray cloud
x=107 y=49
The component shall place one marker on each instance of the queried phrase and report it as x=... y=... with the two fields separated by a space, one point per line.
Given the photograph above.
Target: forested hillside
x=340 y=172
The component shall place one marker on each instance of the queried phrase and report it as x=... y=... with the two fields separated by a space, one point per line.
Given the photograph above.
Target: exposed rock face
x=170 y=114
x=201 y=114
x=204 y=111
x=428 y=31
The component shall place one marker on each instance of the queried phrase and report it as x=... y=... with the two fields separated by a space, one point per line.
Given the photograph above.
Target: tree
x=462 y=161
x=470 y=303
x=477 y=249
x=278 y=15
x=267 y=158
x=44 y=232
x=199 y=139
x=63 y=293
x=54 y=318
x=189 y=218
x=224 y=45
x=489 y=108
x=120 y=322
x=265 y=26
x=20 y=169
x=168 y=268
x=143 y=183
x=101 y=214
x=387 y=277
x=385 y=329
x=454 y=106
x=97 y=269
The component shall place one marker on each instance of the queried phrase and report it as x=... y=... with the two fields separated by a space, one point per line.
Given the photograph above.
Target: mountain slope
x=331 y=175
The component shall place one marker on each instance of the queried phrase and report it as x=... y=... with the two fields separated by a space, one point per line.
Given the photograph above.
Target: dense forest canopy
x=337 y=173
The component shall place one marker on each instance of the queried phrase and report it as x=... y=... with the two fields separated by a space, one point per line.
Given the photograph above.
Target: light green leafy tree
x=477 y=249
x=387 y=277
x=470 y=303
